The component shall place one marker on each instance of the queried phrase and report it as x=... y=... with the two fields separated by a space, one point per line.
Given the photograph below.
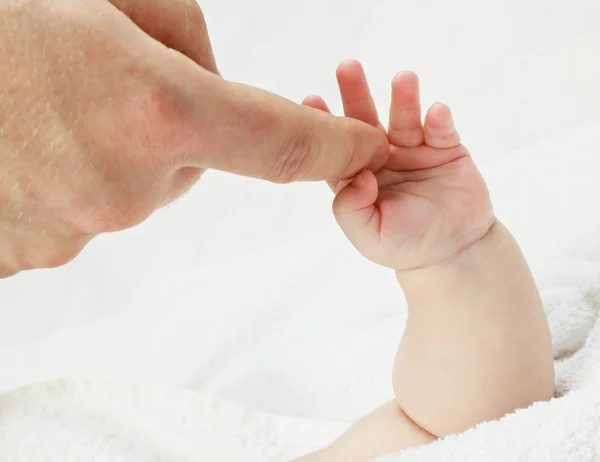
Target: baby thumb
x=354 y=207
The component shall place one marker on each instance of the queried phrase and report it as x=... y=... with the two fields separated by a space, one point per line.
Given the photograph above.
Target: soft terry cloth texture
x=74 y=421
x=247 y=292
x=110 y=422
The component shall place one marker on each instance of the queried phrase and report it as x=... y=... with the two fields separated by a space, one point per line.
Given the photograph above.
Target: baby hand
x=429 y=202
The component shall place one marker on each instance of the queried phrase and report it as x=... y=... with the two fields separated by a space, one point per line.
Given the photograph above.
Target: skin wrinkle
x=292 y=166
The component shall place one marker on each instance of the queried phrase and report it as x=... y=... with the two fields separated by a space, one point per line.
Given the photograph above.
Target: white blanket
x=247 y=292
x=74 y=420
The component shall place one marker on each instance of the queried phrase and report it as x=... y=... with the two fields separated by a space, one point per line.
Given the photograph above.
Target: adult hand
x=111 y=109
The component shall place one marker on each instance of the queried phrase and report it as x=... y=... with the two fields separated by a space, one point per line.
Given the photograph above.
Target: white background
x=247 y=290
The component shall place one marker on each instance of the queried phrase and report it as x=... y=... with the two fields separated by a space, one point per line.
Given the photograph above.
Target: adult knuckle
x=160 y=130
x=157 y=105
x=154 y=114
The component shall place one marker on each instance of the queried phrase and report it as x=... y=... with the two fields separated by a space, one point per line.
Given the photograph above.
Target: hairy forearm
x=477 y=344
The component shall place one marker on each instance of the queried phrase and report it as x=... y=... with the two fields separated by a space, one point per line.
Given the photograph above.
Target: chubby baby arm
x=476 y=347
x=476 y=344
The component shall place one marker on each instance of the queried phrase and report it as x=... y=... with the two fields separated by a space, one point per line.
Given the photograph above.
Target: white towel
x=70 y=420
x=111 y=422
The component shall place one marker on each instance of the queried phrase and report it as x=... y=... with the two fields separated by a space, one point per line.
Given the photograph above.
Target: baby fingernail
x=358 y=180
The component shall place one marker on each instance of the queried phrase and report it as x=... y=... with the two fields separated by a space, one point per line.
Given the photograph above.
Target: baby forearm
x=477 y=343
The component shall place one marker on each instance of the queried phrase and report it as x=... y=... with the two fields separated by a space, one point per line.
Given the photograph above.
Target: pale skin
x=112 y=109
x=477 y=344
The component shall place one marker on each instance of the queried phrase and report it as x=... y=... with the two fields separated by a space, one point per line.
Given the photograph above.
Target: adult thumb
x=251 y=132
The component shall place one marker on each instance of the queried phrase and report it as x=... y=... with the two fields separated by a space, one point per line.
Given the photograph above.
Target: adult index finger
x=251 y=132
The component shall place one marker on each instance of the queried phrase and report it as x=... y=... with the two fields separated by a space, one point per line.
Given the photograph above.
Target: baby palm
x=429 y=201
